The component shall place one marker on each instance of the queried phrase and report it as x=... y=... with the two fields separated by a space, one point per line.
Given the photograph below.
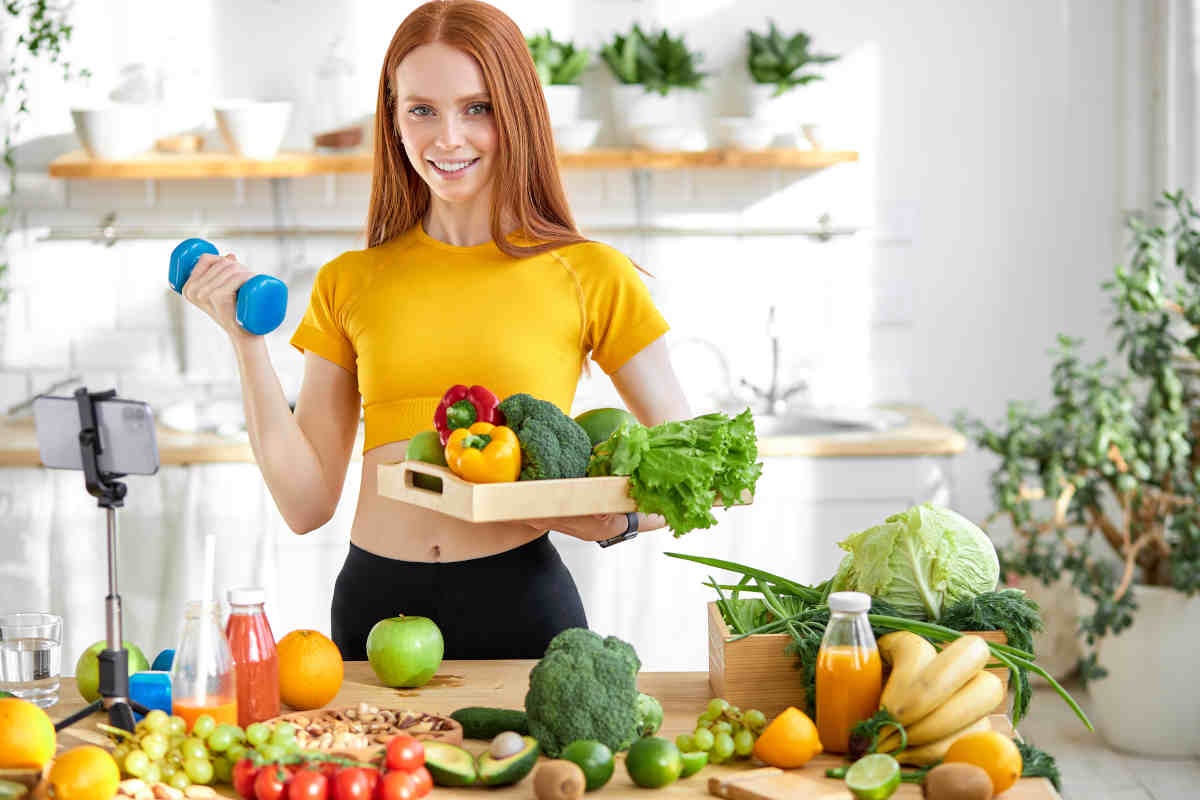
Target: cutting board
x=500 y=502
x=770 y=783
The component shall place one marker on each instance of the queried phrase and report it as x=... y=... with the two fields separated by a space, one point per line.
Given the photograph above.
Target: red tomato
x=352 y=783
x=405 y=752
x=397 y=785
x=308 y=784
x=267 y=785
x=372 y=780
x=423 y=781
x=244 y=773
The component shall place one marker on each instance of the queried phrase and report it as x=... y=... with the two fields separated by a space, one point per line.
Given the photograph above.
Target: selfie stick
x=110 y=493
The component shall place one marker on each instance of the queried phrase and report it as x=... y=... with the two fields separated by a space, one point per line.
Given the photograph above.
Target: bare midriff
x=393 y=529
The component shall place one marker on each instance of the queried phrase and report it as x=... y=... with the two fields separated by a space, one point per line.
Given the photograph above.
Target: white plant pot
x=562 y=101
x=1148 y=703
x=634 y=107
x=784 y=113
x=1057 y=646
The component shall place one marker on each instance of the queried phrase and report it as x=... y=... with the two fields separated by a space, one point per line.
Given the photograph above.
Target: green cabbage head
x=921 y=561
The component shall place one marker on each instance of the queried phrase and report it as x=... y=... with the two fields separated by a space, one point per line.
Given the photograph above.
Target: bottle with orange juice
x=849 y=671
x=203 y=677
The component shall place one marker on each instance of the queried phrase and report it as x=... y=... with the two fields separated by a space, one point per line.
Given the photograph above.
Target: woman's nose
x=449 y=132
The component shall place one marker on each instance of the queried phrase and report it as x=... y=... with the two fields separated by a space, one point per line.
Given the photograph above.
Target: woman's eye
x=479 y=108
x=420 y=111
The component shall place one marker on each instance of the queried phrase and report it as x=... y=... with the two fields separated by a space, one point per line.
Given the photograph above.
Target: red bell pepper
x=462 y=407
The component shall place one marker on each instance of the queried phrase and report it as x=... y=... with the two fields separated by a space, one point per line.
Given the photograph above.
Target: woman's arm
x=651 y=391
x=302 y=456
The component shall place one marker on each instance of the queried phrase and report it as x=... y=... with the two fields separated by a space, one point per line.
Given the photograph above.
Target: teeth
x=453 y=166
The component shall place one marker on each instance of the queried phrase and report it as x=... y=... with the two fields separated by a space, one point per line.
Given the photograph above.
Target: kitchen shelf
x=153 y=166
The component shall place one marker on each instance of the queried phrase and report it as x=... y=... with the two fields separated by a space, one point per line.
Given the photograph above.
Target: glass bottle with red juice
x=254 y=656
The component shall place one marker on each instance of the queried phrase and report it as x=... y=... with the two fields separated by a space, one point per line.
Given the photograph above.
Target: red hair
x=526 y=165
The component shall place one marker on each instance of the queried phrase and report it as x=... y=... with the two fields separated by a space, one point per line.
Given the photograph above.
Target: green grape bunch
x=723 y=731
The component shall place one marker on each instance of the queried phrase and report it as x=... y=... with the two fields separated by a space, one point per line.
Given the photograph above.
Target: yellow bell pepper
x=484 y=453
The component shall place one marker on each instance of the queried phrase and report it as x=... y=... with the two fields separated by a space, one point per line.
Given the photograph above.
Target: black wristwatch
x=631 y=531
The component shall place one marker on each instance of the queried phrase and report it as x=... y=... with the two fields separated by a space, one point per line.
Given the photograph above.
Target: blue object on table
x=152 y=689
x=261 y=301
x=163 y=661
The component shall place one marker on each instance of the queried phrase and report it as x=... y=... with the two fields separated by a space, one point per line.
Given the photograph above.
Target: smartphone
x=127 y=438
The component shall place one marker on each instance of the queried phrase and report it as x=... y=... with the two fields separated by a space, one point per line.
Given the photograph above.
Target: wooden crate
x=756 y=672
x=499 y=502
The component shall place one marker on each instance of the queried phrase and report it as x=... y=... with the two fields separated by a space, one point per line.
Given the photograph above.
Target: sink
x=828 y=421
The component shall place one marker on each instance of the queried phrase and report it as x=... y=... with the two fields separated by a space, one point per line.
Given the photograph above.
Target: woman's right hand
x=212 y=287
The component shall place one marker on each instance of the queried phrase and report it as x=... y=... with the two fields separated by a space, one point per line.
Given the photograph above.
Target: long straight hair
x=526 y=165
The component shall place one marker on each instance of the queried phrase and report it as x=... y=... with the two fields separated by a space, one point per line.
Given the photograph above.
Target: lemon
x=653 y=762
x=873 y=777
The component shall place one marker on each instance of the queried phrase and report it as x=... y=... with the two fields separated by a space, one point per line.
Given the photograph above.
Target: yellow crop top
x=414 y=316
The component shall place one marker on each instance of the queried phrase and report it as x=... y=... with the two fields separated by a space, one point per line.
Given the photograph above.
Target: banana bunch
x=937 y=697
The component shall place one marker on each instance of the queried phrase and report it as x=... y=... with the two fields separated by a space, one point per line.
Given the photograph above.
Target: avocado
x=503 y=771
x=450 y=765
x=600 y=423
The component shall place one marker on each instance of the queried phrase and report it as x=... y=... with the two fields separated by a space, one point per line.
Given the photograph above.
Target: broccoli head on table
x=552 y=444
x=585 y=687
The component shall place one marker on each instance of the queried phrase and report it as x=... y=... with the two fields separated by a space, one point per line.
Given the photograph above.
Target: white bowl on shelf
x=114 y=131
x=663 y=137
x=745 y=133
x=577 y=135
x=253 y=128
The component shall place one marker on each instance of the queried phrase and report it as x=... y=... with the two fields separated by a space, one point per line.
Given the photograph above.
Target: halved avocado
x=450 y=765
x=503 y=771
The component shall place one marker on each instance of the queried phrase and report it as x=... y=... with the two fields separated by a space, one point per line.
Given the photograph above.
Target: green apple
x=87 y=668
x=405 y=651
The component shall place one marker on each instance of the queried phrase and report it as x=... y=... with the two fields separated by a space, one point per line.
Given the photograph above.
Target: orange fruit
x=86 y=772
x=790 y=740
x=26 y=735
x=310 y=669
x=991 y=751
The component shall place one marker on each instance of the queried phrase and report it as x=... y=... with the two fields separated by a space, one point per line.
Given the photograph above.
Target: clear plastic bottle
x=203 y=680
x=849 y=671
x=254 y=656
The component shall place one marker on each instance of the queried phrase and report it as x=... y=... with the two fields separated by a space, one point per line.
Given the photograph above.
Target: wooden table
x=502 y=684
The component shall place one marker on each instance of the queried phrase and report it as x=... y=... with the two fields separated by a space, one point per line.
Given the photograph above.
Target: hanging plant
x=43 y=33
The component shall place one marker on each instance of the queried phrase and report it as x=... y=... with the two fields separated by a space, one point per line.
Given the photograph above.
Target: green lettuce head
x=920 y=561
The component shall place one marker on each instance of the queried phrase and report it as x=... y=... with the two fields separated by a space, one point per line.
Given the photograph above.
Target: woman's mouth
x=452 y=168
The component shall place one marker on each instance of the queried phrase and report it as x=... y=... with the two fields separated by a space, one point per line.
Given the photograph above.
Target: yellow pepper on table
x=484 y=453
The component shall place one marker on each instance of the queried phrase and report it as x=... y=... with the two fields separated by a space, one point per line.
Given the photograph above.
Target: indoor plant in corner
x=559 y=65
x=1104 y=487
x=778 y=67
x=655 y=103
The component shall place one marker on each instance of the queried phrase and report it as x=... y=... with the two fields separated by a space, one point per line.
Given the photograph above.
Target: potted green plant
x=559 y=67
x=657 y=78
x=44 y=31
x=1104 y=487
x=778 y=66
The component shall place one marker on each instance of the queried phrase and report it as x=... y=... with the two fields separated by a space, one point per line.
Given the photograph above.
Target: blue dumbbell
x=261 y=301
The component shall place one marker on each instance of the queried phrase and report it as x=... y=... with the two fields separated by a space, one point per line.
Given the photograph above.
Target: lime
x=653 y=762
x=594 y=758
x=426 y=446
x=693 y=762
x=599 y=423
x=873 y=777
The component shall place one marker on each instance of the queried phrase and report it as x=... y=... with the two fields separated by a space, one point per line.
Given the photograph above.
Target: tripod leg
x=121 y=716
x=138 y=707
x=80 y=714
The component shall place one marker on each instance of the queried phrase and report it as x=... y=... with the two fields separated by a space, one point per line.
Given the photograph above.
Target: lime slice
x=693 y=762
x=873 y=777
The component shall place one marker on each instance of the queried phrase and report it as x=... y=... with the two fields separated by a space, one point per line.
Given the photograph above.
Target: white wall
x=994 y=140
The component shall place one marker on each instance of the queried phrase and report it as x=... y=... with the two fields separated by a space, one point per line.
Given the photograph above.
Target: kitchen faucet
x=774 y=398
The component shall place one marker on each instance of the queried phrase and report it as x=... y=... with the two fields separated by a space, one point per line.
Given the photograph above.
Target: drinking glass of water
x=31 y=656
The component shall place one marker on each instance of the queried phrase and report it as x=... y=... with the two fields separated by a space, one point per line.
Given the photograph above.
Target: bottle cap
x=849 y=602
x=247 y=595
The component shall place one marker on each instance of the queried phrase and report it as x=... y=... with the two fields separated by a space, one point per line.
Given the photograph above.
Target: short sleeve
x=621 y=316
x=322 y=330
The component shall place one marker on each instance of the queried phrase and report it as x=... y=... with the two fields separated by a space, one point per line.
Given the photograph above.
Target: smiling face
x=444 y=116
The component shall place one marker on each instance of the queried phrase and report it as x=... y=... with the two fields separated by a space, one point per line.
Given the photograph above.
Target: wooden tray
x=501 y=502
x=444 y=729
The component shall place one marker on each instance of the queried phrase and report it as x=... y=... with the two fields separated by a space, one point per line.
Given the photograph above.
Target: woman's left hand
x=596 y=527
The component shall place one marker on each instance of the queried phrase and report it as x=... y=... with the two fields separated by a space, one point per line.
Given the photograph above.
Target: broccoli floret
x=584 y=687
x=649 y=714
x=552 y=444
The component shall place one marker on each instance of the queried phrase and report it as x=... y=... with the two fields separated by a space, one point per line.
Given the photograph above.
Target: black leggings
x=507 y=605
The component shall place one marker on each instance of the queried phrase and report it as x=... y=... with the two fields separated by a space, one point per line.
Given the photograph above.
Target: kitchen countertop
x=502 y=684
x=924 y=435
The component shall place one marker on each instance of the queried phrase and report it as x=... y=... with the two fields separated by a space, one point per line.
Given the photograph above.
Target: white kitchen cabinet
x=53 y=558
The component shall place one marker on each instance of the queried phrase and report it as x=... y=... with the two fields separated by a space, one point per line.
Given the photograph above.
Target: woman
x=475 y=274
